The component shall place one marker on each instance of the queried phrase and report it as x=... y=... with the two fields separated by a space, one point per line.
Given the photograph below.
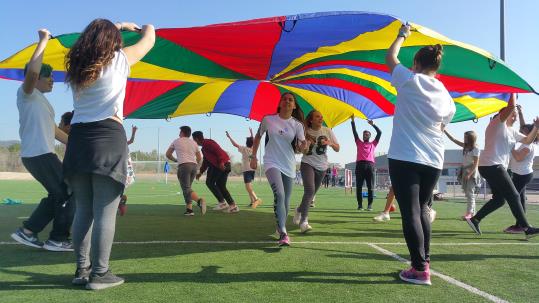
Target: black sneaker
x=29 y=240
x=474 y=224
x=531 y=232
x=82 y=275
x=104 y=280
x=52 y=245
x=189 y=212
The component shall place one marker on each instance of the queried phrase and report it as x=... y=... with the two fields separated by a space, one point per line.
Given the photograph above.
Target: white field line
x=448 y=279
x=309 y=242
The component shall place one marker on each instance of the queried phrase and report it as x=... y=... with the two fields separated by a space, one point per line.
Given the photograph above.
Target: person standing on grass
x=365 y=163
x=469 y=177
x=122 y=207
x=248 y=173
x=95 y=164
x=334 y=174
x=217 y=161
x=188 y=157
x=390 y=207
x=416 y=151
x=38 y=130
x=500 y=137
x=313 y=164
x=285 y=135
x=521 y=166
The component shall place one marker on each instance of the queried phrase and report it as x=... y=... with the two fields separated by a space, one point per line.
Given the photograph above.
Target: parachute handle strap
x=491 y=63
x=283 y=23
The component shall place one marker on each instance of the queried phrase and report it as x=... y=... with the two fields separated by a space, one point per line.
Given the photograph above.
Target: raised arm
x=60 y=135
x=251 y=132
x=393 y=52
x=508 y=110
x=138 y=50
x=356 y=137
x=533 y=134
x=133 y=132
x=34 y=66
x=378 y=131
x=256 y=144
x=236 y=145
x=169 y=155
x=457 y=142
x=521 y=120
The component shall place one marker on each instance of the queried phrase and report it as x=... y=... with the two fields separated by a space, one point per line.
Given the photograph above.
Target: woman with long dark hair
x=95 y=163
x=416 y=152
x=285 y=135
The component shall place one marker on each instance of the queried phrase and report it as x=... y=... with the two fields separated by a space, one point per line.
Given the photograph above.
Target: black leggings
x=520 y=182
x=216 y=182
x=502 y=189
x=413 y=185
x=364 y=172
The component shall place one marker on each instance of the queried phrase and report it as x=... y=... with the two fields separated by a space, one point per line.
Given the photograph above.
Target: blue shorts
x=248 y=176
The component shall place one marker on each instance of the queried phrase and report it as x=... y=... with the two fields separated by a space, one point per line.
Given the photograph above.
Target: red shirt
x=213 y=154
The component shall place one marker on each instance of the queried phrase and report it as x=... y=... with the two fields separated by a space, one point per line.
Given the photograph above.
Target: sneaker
x=382 y=217
x=189 y=212
x=392 y=208
x=474 y=224
x=232 y=210
x=360 y=208
x=531 y=232
x=305 y=227
x=297 y=217
x=102 y=281
x=369 y=208
x=432 y=215
x=221 y=206
x=513 y=229
x=413 y=276
x=82 y=275
x=29 y=240
x=312 y=204
x=122 y=207
x=256 y=203
x=52 y=245
x=284 y=240
x=466 y=216
x=201 y=205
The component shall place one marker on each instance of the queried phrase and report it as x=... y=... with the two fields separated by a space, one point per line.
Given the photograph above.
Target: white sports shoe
x=305 y=227
x=432 y=214
x=297 y=217
x=382 y=217
x=221 y=206
x=234 y=209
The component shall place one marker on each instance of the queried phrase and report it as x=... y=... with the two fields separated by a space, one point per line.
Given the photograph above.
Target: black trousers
x=503 y=190
x=364 y=173
x=216 y=182
x=413 y=185
x=520 y=182
x=57 y=205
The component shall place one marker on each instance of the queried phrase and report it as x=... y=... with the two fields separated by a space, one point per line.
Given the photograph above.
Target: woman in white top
x=521 y=166
x=423 y=108
x=95 y=162
x=314 y=164
x=284 y=136
x=469 y=178
x=248 y=173
x=500 y=138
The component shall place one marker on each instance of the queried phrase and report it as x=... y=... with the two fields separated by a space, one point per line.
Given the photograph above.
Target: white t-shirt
x=499 y=141
x=468 y=159
x=105 y=97
x=317 y=156
x=423 y=105
x=36 y=123
x=186 y=150
x=525 y=166
x=279 y=152
x=245 y=161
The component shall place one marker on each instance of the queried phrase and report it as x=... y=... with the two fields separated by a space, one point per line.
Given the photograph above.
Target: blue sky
x=475 y=22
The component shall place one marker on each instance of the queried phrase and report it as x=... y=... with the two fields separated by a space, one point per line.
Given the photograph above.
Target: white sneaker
x=234 y=209
x=297 y=217
x=432 y=215
x=221 y=206
x=382 y=217
x=305 y=227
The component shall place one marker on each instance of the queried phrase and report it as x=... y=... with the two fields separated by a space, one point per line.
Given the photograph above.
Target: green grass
x=261 y=272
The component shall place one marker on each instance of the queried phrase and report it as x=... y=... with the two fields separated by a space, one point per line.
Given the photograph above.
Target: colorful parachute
x=333 y=62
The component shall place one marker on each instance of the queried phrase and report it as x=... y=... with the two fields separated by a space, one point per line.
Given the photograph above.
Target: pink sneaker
x=284 y=240
x=413 y=276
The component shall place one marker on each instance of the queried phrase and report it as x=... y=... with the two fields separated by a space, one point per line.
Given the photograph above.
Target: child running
x=313 y=164
x=285 y=135
x=248 y=173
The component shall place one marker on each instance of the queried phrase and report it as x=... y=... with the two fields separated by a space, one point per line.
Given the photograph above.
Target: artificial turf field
x=167 y=257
